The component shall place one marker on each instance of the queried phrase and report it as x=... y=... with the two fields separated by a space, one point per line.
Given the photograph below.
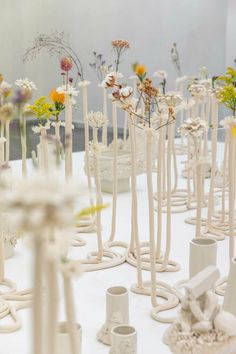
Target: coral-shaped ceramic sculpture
x=202 y=327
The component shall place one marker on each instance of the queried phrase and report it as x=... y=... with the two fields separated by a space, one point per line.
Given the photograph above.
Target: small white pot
x=117 y=312
x=63 y=338
x=122 y=185
x=229 y=304
x=203 y=252
x=124 y=340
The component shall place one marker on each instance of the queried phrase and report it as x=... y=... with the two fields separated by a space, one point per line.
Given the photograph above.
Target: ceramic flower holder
x=123 y=340
x=117 y=312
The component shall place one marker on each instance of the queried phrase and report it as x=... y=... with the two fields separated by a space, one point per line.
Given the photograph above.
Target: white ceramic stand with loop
x=87 y=224
x=153 y=287
x=221 y=285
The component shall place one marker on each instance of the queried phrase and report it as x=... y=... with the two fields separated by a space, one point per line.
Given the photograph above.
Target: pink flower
x=66 y=64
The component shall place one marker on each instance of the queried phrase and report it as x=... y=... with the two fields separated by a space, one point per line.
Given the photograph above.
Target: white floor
x=90 y=288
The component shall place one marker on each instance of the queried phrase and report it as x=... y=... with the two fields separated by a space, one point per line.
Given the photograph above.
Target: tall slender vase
x=23 y=142
x=68 y=136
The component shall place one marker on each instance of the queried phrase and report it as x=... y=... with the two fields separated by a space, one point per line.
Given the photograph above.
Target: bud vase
x=117 y=312
x=124 y=340
x=203 y=252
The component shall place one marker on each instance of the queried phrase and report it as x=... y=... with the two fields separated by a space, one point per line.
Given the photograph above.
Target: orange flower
x=57 y=97
x=140 y=69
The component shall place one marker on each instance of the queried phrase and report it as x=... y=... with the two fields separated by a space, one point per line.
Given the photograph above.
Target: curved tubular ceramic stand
x=180 y=87
x=221 y=285
x=86 y=224
x=202 y=253
x=23 y=138
x=117 y=312
x=104 y=257
x=124 y=340
x=153 y=263
x=63 y=338
x=209 y=229
x=105 y=112
x=111 y=241
x=10 y=294
x=163 y=263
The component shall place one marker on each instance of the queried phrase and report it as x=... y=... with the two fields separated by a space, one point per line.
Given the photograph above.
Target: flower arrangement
x=97 y=119
x=42 y=110
x=147 y=98
x=100 y=67
x=58 y=100
x=119 y=46
x=193 y=127
x=227 y=94
x=57 y=44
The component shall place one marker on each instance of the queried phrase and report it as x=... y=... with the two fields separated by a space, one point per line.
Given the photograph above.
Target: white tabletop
x=90 y=288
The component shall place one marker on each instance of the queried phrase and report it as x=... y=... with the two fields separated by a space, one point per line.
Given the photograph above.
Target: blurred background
x=204 y=30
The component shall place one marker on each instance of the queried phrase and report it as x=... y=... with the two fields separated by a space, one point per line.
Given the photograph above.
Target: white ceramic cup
x=203 y=252
x=123 y=340
x=63 y=338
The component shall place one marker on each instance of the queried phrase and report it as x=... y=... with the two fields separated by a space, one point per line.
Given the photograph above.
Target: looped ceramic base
x=8 y=286
x=179 y=202
x=164 y=291
x=131 y=258
x=77 y=241
x=221 y=285
x=6 y=309
x=110 y=259
x=86 y=225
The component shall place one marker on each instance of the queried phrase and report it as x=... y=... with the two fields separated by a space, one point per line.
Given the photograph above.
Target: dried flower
x=193 y=127
x=6 y=112
x=26 y=84
x=5 y=89
x=109 y=81
x=66 y=64
x=119 y=46
x=42 y=110
x=160 y=74
x=197 y=90
x=22 y=96
x=97 y=119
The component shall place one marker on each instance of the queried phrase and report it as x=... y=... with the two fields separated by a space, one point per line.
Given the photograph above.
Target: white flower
x=5 y=87
x=160 y=74
x=197 y=90
x=193 y=127
x=96 y=119
x=25 y=83
x=228 y=122
x=109 y=81
x=126 y=92
x=40 y=202
x=68 y=89
x=171 y=99
x=38 y=128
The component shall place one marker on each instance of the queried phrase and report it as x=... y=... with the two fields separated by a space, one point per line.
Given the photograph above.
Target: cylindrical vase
x=124 y=340
x=117 y=312
x=203 y=252
x=63 y=338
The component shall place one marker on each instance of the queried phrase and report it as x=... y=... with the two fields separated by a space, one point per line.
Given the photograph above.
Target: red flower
x=66 y=64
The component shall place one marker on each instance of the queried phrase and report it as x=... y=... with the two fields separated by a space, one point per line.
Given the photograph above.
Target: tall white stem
x=68 y=136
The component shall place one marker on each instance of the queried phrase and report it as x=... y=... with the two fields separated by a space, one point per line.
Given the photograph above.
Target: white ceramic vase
x=63 y=338
x=117 y=312
x=203 y=252
x=124 y=340
x=229 y=304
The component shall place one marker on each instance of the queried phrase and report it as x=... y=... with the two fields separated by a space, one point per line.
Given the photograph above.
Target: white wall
x=151 y=26
x=231 y=33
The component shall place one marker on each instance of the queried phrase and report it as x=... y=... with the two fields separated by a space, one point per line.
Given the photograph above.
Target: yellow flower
x=57 y=97
x=140 y=69
x=233 y=131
